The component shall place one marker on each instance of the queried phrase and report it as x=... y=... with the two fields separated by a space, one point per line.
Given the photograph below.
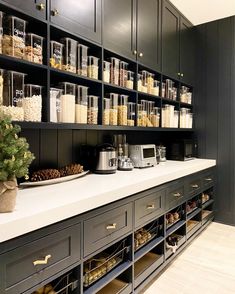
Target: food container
x=93 y=67
x=150 y=106
x=130 y=80
x=69 y=55
x=81 y=104
x=155 y=89
x=169 y=85
x=92 y=112
x=1 y=86
x=13 y=42
x=34 y=48
x=163 y=125
x=190 y=120
x=55 y=107
x=67 y=102
x=141 y=115
x=139 y=82
x=82 y=60
x=144 y=81
x=32 y=102
x=122 y=110
x=183 y=116
x=150 y=82
x=56 y=56
x=13 y=93
x=155 y=117
x=114 y=73
x=183 y=94
x=1 y=31
x=176 y=118
x=174 y=93
x=131 y=114
x=106 y=111
x=123 y=74
x=169 y=115
x=106 y=71
x=189 y=97
x=113 y=113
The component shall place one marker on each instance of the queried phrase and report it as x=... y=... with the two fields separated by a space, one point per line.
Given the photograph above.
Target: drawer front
x=107 y=227
x=175 y=195
x=148 y=207
x=208 y=179
x=193 y=186
x=34 y=262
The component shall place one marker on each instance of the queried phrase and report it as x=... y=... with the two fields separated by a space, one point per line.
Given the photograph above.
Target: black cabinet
x=36 y=8
x=79 y=17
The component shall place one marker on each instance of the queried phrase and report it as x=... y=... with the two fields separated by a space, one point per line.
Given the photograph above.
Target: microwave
x=143 y=155
x=182 y=150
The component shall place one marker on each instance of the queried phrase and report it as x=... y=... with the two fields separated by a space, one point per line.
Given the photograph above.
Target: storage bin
x=34 y=48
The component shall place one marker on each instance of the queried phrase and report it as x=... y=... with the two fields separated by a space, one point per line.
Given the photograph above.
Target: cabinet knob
x=41 y=6
x=208 y=179
x=42 y=261
x=55 y=12
x=178 y=74
x=182 y=75
x=177 y=194
x=194 y=186
x=141 y=54
x=135 y=52
x=150 y=206
x=111 y=226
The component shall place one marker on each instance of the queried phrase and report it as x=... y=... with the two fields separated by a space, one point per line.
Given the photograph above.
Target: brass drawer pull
x=111 y=226
x=150 y=206
x=43 y=261
x=208 y=179
x=55 y=12
x=41 y=6
x=177 y=194
x=194 y=186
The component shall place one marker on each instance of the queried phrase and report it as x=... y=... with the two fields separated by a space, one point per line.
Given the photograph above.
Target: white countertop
x=41 y=206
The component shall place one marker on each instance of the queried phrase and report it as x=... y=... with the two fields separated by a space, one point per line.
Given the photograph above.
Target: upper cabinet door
x=170 y=40
x=36 y=8
x=187 y=51
x=79 y=17
x=119 y=31
x=149 y=33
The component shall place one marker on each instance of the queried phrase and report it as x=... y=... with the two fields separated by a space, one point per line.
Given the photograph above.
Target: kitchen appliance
x=143 y=155
x=124 y=162
x=184 y=149
x=106 y=159
x=161 y=153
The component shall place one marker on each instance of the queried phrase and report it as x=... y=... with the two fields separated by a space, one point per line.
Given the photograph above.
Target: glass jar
x=56 y=56
x=155 y=89
x=150 y=82
x=163 y=120
x=150 y=106
x=176 y=118
x=55 y=109
x=69 y=55
x=82 y=60
x=163 y=90
x=34 y=48
x=142 y=113
x=93 y=67
x=123 y=74
x=183 y=94
x=32 y=102
x=1 y=30
x=13 y=42
x=183 y=112
x=139 y=82
x=189 y=97
x=92 y=113
x=113 y=113
x=169 y=85
x=114 y=73
x=1 y=86
x=190 y=123
x=130 y=80
x=67 y=102
x=155 y=117
x=144 y=81
x=131 y=114
x=106 y=71
x=187 y=118
x=81 y=102
x=106 y=111
x=122 y=110
x=13 y=93
x=169 y=115
x=174 y=93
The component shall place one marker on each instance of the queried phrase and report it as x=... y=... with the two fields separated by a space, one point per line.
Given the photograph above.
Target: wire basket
x=174 y=216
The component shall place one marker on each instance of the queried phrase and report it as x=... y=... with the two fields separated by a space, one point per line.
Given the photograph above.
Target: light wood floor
x=207 y=266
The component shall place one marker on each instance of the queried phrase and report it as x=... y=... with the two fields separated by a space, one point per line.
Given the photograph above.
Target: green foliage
x=15 y=156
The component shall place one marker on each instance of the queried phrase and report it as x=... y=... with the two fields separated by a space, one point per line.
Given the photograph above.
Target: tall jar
x=106 y=111
x=183 y=94
x=113 y=113
x=131 y=114
x=150 y=106
x=150 y=81
x=155 y=89
x=139 y=82
x=169 y=115
x=92 y=114
x=176 y=118
x=13 y=42
x=114 y=73
x=82 y=60
x=163 y=90
x=106 y=71
x=67 y=102
x=56 y=56
x=174 y=93
x=34 y=48
x=163 y=119
x=55 y=109
x=141 y=115
x=145 y=81
x=169 y=85
x=130 y=80
x=183 y=112
x=155 y=117
x=32 y=102
x=1 y=86
x=81 y=104
x=1 y=30
x=122 y=110
x=123 y=73
x=69 y=55
x=93 y=67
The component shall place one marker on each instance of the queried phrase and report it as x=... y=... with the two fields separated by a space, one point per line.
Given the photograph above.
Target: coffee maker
x=122 y=153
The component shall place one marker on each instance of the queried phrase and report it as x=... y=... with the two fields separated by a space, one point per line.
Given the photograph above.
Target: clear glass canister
x=150 y=81
x=34 y=48
x=69 y=55
x=106 y=111
x=183 y=112
x=145 y=81
x=82 y=60
x=67 y=102
x=169 y=115
x=130 y=80
x=123 y=74
x=155 y=117
x=13 y=42
x=81 y=104
x=122 y=110
x=174 y=93
x=189 y=97
x=55 y=108
x=169 y=85
x=56 y=56
x=1 y=86
x=190 y=123
x=139 y=82
x=106 y=71
x=92 y=112
x=155 y=89
x=114 y=73
x=13 y=93
x=150 y=106
x=32 y=102
x=176 y=118
x=1 y=30
x=142 y=113
x=93 y=67
x=163 y=124
x=163 y=90
x=187 y=118
x=131 y=114
x=183 y=94
x=113 y=113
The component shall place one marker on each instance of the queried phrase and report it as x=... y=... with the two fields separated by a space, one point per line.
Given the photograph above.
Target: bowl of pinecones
x=52 y=176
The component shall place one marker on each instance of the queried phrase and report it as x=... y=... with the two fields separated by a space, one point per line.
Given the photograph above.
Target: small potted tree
x=15 y=159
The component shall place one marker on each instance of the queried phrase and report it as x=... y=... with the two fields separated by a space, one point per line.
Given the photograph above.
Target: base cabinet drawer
x=175 y=195
x=27 y=266
x=193 y=186
x=102 y=229
x=208 y=179
x=149 y=206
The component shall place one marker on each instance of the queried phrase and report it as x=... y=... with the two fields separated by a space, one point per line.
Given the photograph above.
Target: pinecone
x=71 y=169
x=45 y=174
